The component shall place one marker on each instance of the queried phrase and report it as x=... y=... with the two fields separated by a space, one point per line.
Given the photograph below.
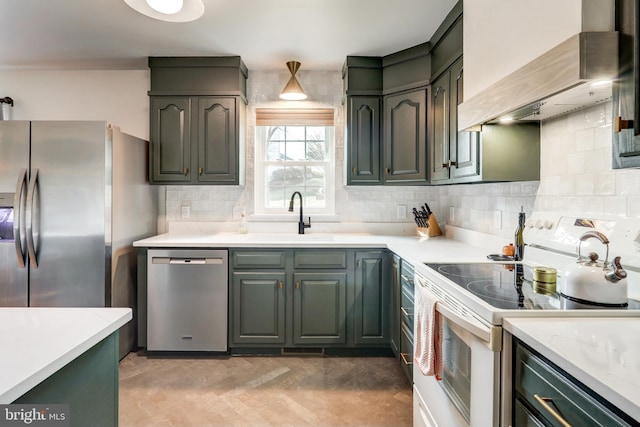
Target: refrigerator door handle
x=33 y=217
x=19 y=202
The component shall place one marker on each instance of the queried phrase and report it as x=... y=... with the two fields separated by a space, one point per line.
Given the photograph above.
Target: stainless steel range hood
x=557 y=82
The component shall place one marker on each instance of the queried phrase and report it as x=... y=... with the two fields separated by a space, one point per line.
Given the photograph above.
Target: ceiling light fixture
x=168 y=7
x=169 y=10
x=293 y=91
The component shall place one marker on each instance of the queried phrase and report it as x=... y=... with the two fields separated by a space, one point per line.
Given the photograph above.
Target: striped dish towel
x=428 y=334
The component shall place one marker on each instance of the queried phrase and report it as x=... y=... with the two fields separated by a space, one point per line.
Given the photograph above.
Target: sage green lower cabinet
x=319 y=308
x=258 y=308
x=372 y=298
x=309 y=298
x=395 y=306
x=541 y=391
x=88 y=384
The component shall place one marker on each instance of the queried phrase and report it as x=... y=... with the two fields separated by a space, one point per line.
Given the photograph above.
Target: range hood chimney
x=570 y=76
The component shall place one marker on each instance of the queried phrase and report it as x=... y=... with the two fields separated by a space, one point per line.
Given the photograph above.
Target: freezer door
x=14 y=161
x=67 y=211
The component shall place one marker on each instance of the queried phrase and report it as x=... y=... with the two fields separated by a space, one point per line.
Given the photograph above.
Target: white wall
x=117 y=96
x=501 y=36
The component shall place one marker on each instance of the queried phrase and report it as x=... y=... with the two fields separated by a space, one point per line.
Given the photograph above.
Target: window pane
x=315 y=176
x=275 y=175
x=315 y=133
x=294 y=175
x=275 y=150
x=295 y=150
x=316 y=150
x=275 y=133
x=295 y=133
x=275 y=197
x=315 y=197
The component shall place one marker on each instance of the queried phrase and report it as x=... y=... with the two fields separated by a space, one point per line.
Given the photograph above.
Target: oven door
x=469 y=392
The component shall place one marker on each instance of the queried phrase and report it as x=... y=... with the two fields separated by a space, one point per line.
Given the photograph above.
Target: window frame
x=261 y=165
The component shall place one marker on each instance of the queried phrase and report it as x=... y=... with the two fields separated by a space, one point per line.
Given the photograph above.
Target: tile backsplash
x=576 y=174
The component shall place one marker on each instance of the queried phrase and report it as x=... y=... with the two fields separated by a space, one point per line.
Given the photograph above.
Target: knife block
x=432 y=229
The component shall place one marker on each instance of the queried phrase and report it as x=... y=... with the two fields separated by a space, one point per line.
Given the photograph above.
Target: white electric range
x=474 y=298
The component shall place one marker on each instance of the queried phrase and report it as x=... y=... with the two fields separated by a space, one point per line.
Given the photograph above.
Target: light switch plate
x=452 y=213
x=186 y=211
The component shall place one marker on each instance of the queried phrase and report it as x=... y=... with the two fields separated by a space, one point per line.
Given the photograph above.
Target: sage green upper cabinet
x=363 y=159
x=362 y=80
x=405 y=142
x=626 y=90
x=171 y=133
x=197 y=120
x=454 y=155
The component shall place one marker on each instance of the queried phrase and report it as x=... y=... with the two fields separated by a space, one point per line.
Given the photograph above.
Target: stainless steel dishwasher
x=187 y=292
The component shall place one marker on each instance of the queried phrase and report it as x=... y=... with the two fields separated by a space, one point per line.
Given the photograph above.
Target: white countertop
x=602 y=353
x=416 y=250
x=37 y=342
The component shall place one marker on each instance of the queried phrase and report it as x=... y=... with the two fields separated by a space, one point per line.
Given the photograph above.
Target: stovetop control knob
x=548 y=225
x=529 y=223
x=539 y=224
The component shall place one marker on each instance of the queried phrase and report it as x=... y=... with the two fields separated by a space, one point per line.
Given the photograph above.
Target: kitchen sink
x=289 y=237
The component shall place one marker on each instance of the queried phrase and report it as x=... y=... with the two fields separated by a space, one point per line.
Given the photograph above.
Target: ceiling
x=108 y=34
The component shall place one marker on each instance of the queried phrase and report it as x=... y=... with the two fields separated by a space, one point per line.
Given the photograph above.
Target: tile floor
x=199 y=391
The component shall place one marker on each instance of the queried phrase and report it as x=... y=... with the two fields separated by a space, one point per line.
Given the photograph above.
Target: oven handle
x=491 y=336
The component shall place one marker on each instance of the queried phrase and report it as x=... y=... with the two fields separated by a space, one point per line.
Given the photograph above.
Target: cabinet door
x=217 y=140
x=405 y=123
x=170 y=140
x=439 y=129
x=464 y=147
x=626 y=89
x=372 y=298
x=319 y=308
x=258 y=305
x=395 y=305
x=363 y=140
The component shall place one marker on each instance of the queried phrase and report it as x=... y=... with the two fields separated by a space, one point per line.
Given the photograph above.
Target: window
x=294 y=154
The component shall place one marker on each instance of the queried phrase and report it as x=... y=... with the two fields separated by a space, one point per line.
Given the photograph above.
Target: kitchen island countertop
x=37 y=342
x=602 y=353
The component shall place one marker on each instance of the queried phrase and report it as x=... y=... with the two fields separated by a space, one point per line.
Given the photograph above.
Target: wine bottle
x=518 y=236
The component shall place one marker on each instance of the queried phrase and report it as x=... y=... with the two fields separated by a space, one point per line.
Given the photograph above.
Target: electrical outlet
x=186 y=211
x=401 y=211
x=497 y=220
x=452 y=214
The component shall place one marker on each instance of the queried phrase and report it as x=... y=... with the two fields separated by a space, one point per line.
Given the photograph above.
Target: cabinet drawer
x=406 y=308
x=320 y=259
x=406 y=277
x=538 y=377
x=406 y=352
x=258 y=259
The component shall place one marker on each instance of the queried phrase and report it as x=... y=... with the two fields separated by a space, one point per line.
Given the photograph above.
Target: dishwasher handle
x=185 y=261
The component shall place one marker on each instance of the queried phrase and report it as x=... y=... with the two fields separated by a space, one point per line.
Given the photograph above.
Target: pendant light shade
x=293 y=91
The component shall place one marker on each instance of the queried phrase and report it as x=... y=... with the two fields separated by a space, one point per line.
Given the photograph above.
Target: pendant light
x=169 y=10
x=293 y=91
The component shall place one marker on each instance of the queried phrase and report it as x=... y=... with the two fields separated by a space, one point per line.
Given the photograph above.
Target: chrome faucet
x=301 y=224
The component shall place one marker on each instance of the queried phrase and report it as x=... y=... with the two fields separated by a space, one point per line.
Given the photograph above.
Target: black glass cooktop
x=504 y=286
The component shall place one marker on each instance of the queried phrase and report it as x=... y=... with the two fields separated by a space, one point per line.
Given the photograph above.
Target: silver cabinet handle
x=19 y=201
x=544 y=402
x=405 y=312
x=33 y=219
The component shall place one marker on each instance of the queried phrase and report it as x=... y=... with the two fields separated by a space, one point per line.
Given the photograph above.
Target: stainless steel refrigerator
x=73 y=198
